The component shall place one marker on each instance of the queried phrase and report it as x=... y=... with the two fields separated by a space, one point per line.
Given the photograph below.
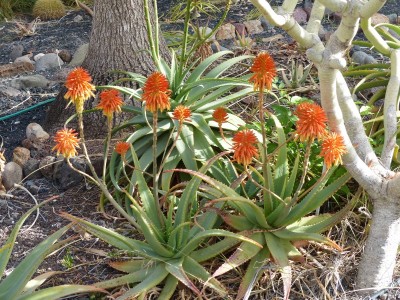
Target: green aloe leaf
x=129 y=266
x=208 y=252
x=134 y=277
x=59 y=292
x=36 y=282
x=175 y=268
x=221 y=68
x=242 y=254
x=14 y=283
x=158 y=274
x=169 y=287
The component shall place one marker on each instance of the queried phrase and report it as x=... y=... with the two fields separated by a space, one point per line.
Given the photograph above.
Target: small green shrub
x=48 y=9
x=8 y=7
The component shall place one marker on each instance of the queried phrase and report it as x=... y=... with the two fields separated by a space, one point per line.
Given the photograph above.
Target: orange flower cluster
x=79 y=88
x=110 y=102
x=264 y=71
x=333 y=149
x=220 y=115
x=156 y=92
x=122 y=147
x=244 y=146
x=312 y=122
x=181 y=113
x=67 y=142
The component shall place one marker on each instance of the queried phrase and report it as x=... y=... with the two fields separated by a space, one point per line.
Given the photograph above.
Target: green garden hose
x=22 y=111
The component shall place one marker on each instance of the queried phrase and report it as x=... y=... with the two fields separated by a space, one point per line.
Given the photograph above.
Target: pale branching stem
x=353 y=122
x=317 y=13
x=357 y=168
x=303 y=175
x=371 y=7
x=270 y=15
x=288 y=6
x=390 y=109
x=374 y=37
x=107 y=149
x=335 y=5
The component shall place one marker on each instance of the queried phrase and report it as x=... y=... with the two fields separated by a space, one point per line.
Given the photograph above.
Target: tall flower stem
x=305 y=170
x=155 y=175
x=268 y=207
x=107 y=147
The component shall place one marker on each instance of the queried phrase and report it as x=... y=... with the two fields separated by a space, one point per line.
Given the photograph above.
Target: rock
x=13 y=69
x=378 y=18
x=79 y=55
x=32 y=186
x=21 y=155
x=392 y=18
x=46 y=166
x=226 y=31
x=253 y=26
x=65 y=55
x=25 y=58
x=31 y=168
x=78 y=18
x=48 y=61
x=206 y=31
x=30 y=81
x=265 y=24
x=240 y=29
x=35 y=132
x=65 y=176
x=300 y=15
x=363 y=58
x=12 y=174
x=16 y=51
x=9 y=91
x=38 y=56
x=216 y=47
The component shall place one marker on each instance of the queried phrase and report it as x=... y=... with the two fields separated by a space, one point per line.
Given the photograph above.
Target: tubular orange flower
x=79 y=88
x=122 y=147
x=244 y=146
x=181 y=113
x=333 y=149
x=67 y=142
x=312 y=121
x=264 y=71
x=156 y=92
x=110 y=102
x=220 y=116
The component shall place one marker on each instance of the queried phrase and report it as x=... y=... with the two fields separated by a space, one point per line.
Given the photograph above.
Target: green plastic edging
x=22 y=111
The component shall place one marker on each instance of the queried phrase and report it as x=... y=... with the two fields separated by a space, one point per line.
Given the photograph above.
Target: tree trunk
x=379 y=258
x=118 y=41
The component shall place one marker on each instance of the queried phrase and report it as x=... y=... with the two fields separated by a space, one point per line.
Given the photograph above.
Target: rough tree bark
x=118 y=41
x=372 y=173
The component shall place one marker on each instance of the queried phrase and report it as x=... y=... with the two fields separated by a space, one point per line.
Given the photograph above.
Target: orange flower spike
x=244 y=146
x=311 y=123
x=67 y=142
x=333 y=149
x=79 y=88
x=156 y=93
x=110 y=102
x=181 y=113
x=220 y=115
x=122 y=147
x=264 y=71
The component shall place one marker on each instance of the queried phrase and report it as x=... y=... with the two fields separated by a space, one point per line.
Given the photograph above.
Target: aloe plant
x=19 y=285
x=288 y=220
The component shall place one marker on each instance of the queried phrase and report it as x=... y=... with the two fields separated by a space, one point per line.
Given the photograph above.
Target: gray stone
x=240 y=29
x=378 y=18
x=38 y=56
x=25 y=58
x=363 y=58
x=12 y=174
x=9 y=91
x=35 y=132
x=300 y=15
x=48 y=61
x=65 y=177
x=32 y=186
x=46 y=166
x=16 y=51
x=226 y=31
x=392 y=18
x=206 y=31
x=21 y=155
x=65 y=55
x=31 y=168
x=30 y=81
x=79 y=55
x=78 y=18
x=253 y=26
x=265 y=24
